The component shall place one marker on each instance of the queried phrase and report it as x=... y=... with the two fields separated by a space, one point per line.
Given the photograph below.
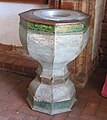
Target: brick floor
x=90 y=108
x=30 y=117
x=13 y=105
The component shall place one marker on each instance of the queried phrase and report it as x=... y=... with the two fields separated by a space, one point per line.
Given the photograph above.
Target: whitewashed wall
x=9 y=21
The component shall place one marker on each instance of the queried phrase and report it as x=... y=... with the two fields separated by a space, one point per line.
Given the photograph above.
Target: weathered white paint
x=54 y=52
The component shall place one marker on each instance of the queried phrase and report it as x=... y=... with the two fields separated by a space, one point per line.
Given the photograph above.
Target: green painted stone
x=43 y=105
x=61 y=105
x=72 y=28
x=69 y=28
x=51 y=107
x=41 y=27
x=58 y=28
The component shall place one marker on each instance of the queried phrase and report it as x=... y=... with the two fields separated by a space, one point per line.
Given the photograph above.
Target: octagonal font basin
x=54 y=37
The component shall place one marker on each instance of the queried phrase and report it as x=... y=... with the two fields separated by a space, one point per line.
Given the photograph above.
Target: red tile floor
x=13 y=104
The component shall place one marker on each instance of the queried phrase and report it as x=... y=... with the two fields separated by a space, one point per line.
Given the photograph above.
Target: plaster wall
x=9 y=21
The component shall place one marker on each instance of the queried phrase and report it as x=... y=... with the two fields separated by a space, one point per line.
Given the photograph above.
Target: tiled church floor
x=13 y=105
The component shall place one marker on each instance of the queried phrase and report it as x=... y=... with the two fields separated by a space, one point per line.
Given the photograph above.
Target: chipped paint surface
x=54 y=47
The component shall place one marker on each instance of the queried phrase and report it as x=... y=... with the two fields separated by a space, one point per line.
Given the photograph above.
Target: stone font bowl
x=54 y=37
